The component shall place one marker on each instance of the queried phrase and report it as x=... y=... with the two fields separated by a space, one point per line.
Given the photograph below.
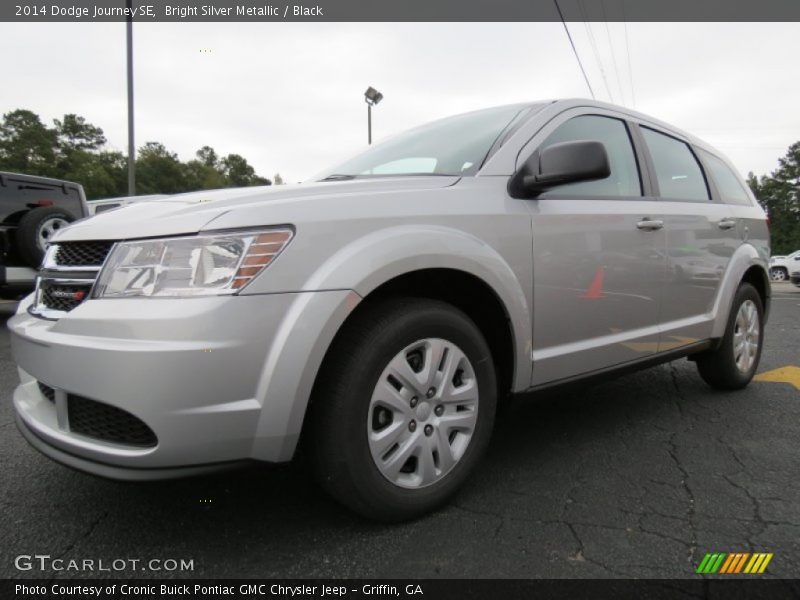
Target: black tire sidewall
x=27 y=234
x=718 y=368
x=384 y=499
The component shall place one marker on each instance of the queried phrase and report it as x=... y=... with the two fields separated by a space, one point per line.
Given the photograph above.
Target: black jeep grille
x=47 y=391
x=107 y=423
x=82 y=254
x=63 y=297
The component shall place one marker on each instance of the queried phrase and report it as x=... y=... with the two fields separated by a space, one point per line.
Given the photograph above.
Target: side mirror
x=568 y=162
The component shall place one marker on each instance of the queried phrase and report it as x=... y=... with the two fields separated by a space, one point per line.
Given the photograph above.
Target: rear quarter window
x=730 y=187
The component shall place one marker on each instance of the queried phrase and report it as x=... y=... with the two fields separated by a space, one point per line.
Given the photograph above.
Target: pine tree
x=779 y=194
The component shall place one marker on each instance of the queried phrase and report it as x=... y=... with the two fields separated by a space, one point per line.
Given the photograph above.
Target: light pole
x=131 y=146
x=371 y=97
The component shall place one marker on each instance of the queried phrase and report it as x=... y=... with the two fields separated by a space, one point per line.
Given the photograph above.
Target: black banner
x=395 y=10
x=437 y=589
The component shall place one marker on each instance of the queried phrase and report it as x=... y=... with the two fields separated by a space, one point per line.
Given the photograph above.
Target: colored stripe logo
x=732 y=563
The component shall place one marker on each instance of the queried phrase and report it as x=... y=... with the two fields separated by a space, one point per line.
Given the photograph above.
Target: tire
x=351 y=400
x=726 y=368
x=35 y=227
x=779 y=274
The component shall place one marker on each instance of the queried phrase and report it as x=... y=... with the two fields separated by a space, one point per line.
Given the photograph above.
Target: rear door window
x=678 y=173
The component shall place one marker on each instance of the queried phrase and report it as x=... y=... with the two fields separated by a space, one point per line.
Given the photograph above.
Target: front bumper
x=114 y=472
x=218 y=380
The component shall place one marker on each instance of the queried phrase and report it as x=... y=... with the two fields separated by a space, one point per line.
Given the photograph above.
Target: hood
x=196 y=211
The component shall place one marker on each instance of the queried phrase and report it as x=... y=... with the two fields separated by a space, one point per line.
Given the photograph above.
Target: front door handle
x=727 y=224
x=650 y=224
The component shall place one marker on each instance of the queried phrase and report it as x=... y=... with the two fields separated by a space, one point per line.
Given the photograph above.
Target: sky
x=289 y=96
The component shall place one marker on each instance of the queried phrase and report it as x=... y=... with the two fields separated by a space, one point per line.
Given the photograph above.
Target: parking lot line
x=787 y=374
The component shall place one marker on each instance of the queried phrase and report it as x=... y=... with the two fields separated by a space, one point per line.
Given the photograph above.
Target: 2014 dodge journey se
x=381 y=311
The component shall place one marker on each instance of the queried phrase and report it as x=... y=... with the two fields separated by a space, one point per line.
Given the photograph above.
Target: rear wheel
x=733 y=364
x=35 y=230
x=403 y=408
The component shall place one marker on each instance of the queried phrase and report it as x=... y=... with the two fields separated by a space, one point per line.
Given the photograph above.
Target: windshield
x=453 y=146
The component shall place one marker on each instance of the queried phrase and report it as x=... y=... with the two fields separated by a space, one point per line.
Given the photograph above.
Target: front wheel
x=403 y=408
x=732 y=365
x=779 y=274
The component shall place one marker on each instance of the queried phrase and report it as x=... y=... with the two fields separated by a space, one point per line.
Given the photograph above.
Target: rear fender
x=745 y=257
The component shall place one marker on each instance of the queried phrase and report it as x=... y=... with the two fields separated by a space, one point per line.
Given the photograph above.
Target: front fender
x=372 y=260
x=295 y=356
x=331 y=292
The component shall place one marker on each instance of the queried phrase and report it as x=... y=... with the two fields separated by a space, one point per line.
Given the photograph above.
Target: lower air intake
x=107 y=423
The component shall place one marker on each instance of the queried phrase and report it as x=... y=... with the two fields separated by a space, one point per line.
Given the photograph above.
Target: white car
x=781 y=267
x=98 y=206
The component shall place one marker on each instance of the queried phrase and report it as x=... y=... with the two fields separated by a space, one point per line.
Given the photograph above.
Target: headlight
x=201 y=265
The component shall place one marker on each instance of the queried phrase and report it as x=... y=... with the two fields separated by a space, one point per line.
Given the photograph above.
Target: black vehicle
x=32 y=209
x=795 y=278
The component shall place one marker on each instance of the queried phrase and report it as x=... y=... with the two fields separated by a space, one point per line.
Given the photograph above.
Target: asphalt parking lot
x=636 y=477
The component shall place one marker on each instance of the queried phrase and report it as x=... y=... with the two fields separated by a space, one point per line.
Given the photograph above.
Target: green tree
x=74 y=133
x=79 y=157
x=102 y=175
x=779 y=194
x=208 y=157
x=158 y=171
x=239 y=173
x=74 y=149
x=204 y=173
x=27 y=145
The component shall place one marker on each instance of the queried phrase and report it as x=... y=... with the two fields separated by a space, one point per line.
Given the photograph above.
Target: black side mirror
x=568 y=162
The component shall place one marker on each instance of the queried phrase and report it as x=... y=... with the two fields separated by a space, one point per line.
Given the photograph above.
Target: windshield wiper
x=338 y=177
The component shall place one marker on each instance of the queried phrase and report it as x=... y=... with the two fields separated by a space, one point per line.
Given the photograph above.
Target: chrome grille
x=67 y=276
x=82 y=254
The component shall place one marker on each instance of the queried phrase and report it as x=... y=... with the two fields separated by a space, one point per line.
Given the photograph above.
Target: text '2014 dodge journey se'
x=382 y=310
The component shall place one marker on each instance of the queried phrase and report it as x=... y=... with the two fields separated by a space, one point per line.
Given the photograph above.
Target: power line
x=613 y=54
x=628 y=53
x=571 y=43
x=593 y=44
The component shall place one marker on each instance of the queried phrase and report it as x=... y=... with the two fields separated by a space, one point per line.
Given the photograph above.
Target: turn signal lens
x=262 y=251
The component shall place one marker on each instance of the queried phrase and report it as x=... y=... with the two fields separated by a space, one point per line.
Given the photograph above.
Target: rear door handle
x=650 y=224
x=727 y=224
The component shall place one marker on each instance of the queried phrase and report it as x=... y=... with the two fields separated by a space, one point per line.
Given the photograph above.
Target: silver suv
x=380 y=313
